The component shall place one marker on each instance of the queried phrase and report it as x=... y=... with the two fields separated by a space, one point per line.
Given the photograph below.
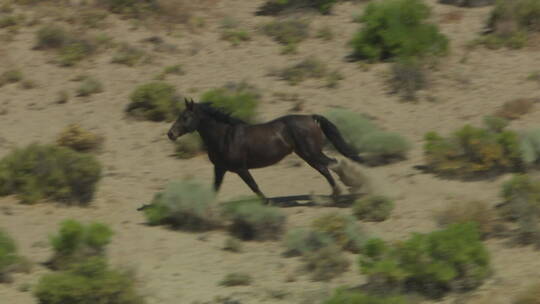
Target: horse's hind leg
x=321 y=164
x=248 y=179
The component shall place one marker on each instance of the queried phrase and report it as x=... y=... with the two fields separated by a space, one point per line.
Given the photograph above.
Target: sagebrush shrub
x=49 y=172
x=343 y=229
x=530 y=146
x=128 y=55
x=51 y=36
x=78 y=139
x=452 y=259
x=239 y=99
x=8 y=254
x=251 y=220
x=89 y=86
x=516 y=108
x=71 y=48
x=184 y=204
x=407 y=77
x=342 y=296
x=302 y=241
x=472 y=151
x=365 y=137
x=288 y=31
x=134 y=8
x=308 y=68
x=88 y=282
x=76 y=242
x=477 y=212
x=521 y=196
x=373 y=208
x=326 y=263
x=397 y=28
x=510 y=23
x=156 y=101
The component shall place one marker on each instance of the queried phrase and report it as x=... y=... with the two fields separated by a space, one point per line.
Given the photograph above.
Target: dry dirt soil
x=181 y=267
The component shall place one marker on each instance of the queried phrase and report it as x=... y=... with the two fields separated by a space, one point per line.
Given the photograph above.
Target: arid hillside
x=203 y=46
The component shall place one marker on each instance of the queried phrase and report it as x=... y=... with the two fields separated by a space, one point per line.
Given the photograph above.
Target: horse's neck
x=212 y=132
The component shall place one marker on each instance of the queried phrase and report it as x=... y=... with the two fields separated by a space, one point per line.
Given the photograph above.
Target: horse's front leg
x=219 y=173
x=248 y=179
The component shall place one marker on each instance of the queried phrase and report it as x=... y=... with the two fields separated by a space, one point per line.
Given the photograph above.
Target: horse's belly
x=267 y=155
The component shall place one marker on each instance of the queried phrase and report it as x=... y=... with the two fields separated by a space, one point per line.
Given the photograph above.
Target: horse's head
x=187 y=121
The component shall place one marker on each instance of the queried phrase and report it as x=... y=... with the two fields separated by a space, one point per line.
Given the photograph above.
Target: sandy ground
x=179 y=267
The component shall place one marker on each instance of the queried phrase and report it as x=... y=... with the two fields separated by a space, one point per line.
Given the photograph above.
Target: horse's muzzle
x=171 y=135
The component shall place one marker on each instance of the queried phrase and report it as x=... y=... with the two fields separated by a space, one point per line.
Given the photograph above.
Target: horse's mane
x=219 y=114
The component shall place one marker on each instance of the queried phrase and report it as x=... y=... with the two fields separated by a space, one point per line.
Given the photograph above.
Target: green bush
x=186 y=205
x=373 y=208
x=397 y=28
x=88 y=282
x=251 y=220
x=307 y=68
x=521 y=196
x=76 y=242
x=71 y=49
x=236 y=279
x=302 y=241
x=365 y=137
x=343 y=229
x=238 y=99
x=188 y=146
x=49 y=172
x=472 y=151
x=342 y=296
x=272 y=7
x=8 y=255
x=326 y=263
x=235 y=36
x=511 y=22
x=155 y=101
x=434 y=263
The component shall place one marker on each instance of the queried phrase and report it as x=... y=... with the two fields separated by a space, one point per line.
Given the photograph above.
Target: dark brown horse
x=236 y=146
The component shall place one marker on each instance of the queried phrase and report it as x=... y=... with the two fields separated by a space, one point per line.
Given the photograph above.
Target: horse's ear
x=189 y=105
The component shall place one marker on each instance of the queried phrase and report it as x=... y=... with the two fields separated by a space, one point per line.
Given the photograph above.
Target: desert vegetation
x=446 y=191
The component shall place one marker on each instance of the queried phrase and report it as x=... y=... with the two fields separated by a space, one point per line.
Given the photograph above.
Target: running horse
x=236 y=146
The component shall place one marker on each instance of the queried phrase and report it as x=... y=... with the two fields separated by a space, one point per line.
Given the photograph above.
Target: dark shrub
x=238 y=99
x=434 y=263
x=287 y=31
x=236 y=279
x=407 y=77
x=51 y=37
x=301 y=241
x=397 y=28
x=76 y=242
x=307 y=68
x=251 y=220
x=155 y=101
x=42 y=171
x=184 y=205
x=468 y=3
x=272 y=7
x=88 y=282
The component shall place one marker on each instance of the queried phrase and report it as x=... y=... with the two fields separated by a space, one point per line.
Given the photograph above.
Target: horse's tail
x=332 y=133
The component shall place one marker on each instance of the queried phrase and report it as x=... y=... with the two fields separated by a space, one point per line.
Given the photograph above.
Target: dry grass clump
x=79 y=139
x=516 y=108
